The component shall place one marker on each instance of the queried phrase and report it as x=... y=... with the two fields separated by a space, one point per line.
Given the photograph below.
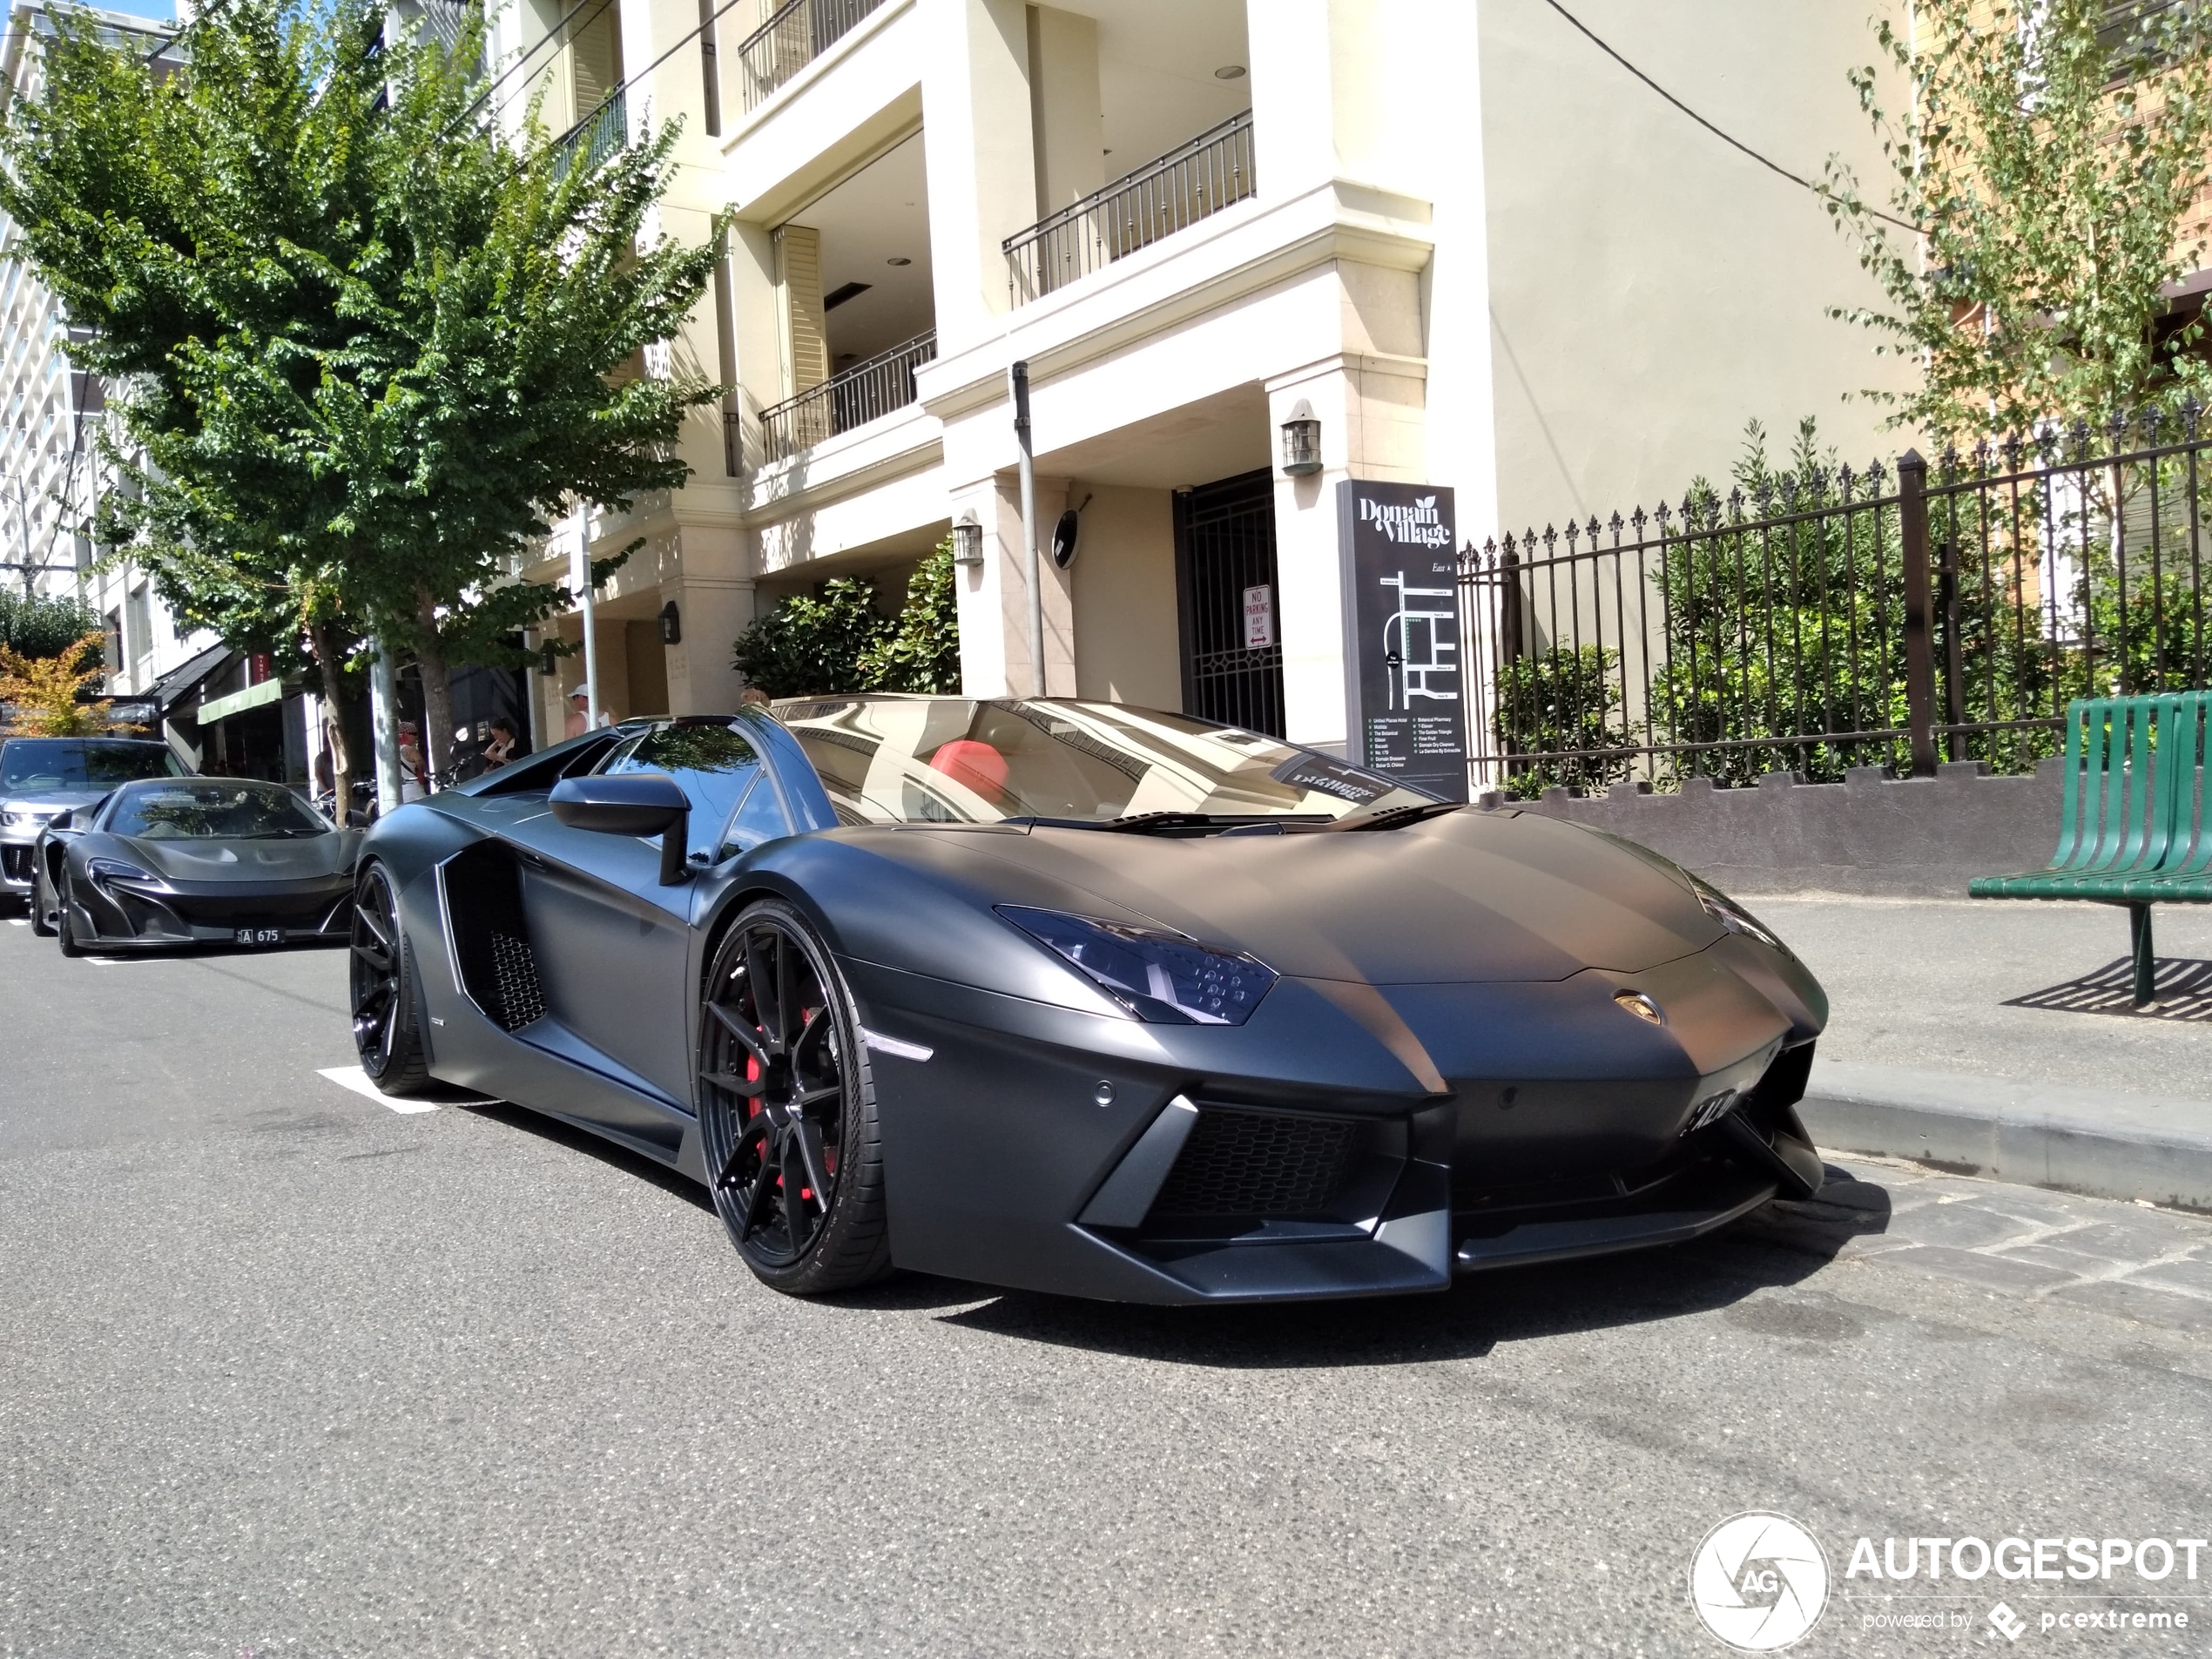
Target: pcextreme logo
x=1759 y=1582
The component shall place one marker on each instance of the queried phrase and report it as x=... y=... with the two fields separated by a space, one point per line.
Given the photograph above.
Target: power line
x=1733 y=142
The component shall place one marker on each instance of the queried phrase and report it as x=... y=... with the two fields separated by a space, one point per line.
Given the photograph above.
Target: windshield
x=81 y=763
x=961 y=760
x=211 y=809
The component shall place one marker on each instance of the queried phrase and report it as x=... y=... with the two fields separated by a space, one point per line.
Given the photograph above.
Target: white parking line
x=355 y=1078
x=19 y=922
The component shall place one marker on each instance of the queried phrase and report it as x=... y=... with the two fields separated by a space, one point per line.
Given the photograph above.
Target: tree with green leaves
x=2046 y=159
x=365 y=341
x=46 y=625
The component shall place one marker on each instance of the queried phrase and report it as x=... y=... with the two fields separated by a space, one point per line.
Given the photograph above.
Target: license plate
x=260 y=936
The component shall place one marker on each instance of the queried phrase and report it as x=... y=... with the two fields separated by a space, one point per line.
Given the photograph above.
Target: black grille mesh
x=15 y=861
x=522 y=1000
x=1258 y=1164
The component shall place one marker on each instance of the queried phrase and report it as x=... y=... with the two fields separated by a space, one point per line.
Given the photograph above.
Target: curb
x=2100 y=1143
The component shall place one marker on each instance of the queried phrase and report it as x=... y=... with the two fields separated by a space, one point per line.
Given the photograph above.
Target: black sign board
x=1407 y=669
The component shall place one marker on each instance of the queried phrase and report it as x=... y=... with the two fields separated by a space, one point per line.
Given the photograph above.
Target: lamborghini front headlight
x=1157 y=975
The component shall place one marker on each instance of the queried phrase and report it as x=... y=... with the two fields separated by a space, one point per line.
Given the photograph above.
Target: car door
x=613 y=945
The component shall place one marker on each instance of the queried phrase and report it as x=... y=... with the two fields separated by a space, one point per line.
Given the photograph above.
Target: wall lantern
x=1302 y=440
x=967 y=541
x=671 y=624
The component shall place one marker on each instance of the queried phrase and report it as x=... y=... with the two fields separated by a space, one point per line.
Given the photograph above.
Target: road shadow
x=581 y=1140
x=2184 y=992
x=1781 y=1245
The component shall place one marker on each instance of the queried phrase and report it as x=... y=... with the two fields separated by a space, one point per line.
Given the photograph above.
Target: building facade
x=1454 y=232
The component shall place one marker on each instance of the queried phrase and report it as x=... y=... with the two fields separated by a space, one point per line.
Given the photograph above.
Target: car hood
x=305 y=859
x=50 y=801
x=1470 y=896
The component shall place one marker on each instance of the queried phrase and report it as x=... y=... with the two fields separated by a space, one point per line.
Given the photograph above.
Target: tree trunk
x=342 y=762
x=437 y=693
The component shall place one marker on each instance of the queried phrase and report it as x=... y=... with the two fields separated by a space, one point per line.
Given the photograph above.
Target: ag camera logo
x=1759 y=1582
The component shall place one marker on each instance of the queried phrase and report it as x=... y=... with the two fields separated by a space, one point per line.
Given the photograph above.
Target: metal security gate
x=1225 y=561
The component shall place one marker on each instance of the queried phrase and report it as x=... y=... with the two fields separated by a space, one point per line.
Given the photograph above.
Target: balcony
x=591 y=140
x=794 y=38
x=1192 y=182
x=853 y=397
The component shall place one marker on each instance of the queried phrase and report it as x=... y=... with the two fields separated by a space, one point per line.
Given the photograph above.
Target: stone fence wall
x=1870 y=835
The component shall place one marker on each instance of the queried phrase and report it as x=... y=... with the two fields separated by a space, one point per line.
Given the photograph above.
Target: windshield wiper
x=1175 y=823
x=1393 y=818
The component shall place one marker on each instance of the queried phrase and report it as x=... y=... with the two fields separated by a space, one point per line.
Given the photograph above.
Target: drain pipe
x=1018 y=380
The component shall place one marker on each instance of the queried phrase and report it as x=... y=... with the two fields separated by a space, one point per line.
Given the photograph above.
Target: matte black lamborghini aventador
x=1087 y=998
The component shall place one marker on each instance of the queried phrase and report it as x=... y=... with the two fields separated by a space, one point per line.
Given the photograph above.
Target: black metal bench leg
x=2145 y=957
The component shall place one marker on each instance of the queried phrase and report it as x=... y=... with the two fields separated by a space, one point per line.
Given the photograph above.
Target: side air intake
x=491 y=944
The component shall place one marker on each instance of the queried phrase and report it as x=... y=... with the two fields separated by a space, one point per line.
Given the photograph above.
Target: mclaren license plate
x=260 y=936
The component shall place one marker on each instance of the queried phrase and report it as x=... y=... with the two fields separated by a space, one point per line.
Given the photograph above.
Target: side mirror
x=62 y=821
x=630 y=803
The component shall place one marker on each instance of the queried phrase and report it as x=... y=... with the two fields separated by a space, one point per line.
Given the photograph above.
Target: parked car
x=166 y=862
x=1085 y=998
x=41 y=777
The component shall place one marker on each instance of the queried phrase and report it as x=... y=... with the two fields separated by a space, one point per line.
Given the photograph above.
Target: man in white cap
x=579 y=720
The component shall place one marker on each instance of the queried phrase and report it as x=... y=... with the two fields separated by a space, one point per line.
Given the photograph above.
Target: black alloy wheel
x=788 y=1108
x=385 y=1032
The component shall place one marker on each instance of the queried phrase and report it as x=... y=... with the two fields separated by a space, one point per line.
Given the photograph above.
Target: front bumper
x=118 y=913
x=1345 y=1142
x=15 y=861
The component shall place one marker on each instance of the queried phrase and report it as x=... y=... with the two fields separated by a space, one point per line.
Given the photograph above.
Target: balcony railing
x=794 y=38
x=591 y=140
x=852 y=397
x=1188 y=183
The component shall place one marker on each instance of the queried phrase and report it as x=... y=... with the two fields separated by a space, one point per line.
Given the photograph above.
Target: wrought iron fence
x=1186 y=185
x=849 y=398
x=591 y=140
x=794 y=38
x=1894 y=617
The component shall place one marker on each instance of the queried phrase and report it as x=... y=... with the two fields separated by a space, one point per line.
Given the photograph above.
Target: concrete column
x=1066 y=113
x=980 y=157
x=995 y=601
x=715 y=610
x=1369 y=410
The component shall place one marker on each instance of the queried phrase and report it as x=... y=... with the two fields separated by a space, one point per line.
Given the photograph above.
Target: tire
x=388 y=1034
x=65 y=924
x=787 y=1098
x=38 y=902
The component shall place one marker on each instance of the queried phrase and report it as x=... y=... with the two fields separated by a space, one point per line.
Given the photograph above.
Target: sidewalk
x=1996 y=1038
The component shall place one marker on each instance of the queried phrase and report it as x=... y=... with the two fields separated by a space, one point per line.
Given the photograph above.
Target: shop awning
x=238 y=702
x=179 y=683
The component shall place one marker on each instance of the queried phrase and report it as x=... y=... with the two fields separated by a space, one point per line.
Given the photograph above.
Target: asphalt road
x=283 y=1371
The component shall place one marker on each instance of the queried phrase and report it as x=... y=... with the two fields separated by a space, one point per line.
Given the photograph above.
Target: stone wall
x=1870 y=835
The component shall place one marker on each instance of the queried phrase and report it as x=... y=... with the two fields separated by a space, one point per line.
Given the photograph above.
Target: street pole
x=580 y=576
x=1018 y=379
x=385 y=727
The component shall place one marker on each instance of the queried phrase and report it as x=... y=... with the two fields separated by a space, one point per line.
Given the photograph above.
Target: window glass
x=713 y=764
x=76 y=763
x=947 y=761
x=213 y=808
x=761 y=819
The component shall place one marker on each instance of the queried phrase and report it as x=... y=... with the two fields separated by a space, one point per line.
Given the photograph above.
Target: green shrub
x=837 y=641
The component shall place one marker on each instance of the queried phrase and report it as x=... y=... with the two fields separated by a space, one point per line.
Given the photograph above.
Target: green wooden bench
x=2128 y=828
